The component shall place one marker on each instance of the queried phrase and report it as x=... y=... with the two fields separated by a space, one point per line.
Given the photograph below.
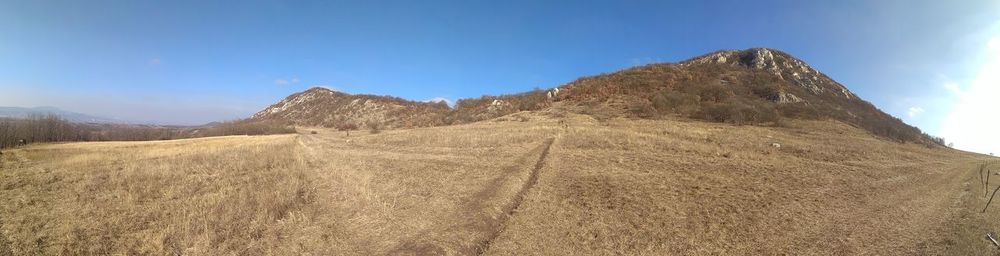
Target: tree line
x=52 y=128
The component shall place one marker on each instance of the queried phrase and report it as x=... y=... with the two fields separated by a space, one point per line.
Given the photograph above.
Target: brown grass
x=611 y=186
x=201 y=196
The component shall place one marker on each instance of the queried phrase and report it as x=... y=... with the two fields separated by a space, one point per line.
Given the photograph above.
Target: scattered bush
x=478 y=109
x=676 y=102
x=711 y=92
x=765 y=91
x=533 y=100
x=642 y=109
x=248 y=127
x=799 y=111
x=937 y=140
x=375 y=127
x=739 y=113
x=39 y=128
x=346 y=127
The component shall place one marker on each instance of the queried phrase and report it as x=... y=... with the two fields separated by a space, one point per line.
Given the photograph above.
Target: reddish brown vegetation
x=723 y=92
x=756 y=87
x=483 y=108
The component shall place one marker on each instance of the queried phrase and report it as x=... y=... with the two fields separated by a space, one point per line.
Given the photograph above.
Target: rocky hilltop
x=779 y=64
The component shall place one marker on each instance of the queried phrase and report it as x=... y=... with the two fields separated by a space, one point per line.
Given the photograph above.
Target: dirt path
x=969 y=225
x=471 y=216
x=902 y=218
x=482 y=215
x=498 y=224
x=897 y=214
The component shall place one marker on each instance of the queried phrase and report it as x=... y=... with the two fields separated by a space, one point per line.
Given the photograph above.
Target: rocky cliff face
x=779 y=64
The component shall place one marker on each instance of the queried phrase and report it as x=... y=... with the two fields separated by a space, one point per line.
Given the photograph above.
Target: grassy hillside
x=548 y=182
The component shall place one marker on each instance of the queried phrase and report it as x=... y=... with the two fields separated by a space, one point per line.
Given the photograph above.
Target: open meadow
x=547 y=182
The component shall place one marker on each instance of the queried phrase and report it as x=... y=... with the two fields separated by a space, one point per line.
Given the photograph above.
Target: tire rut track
x=509 y=210
x=4 y=243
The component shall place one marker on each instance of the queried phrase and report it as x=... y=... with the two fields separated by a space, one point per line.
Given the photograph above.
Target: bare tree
x=347 y=128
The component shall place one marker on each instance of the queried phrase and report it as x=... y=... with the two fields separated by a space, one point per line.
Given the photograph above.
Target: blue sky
x=191 y=62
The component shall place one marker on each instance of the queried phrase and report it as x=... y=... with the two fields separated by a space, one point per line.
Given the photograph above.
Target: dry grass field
x=532 y=183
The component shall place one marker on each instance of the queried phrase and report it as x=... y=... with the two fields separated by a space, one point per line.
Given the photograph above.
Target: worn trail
x=501 y=222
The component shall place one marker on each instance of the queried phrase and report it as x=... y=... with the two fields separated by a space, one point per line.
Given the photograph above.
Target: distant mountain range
x=753 y=86
x=19 y=112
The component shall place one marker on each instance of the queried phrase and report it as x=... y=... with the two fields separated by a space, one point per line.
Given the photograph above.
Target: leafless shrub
x=799 y=111
x=676 y=102
x=642 y=109
x=37 y=128
x=248 y=127
x=375 y=127
x=51 y=128
x=711 y=92
x=347 y=128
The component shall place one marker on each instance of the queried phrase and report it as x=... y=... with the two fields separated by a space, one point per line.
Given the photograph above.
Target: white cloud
x=440 y=99
x=994 y=44
x=282 y=81
x=953 y=87
x=915 y=111
x=643 y=61
x=154 y=61
x=972 y=122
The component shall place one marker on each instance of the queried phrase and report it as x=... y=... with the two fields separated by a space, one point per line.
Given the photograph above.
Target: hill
x=758 y=86
x=324 y=107
x=754 y=86
x=19 y=113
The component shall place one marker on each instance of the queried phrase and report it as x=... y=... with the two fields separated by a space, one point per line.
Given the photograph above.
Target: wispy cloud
x=282 y=81
x=970 y=123
x=154 y=61
x=953 y=87
x=441 y=99
x=915 y=111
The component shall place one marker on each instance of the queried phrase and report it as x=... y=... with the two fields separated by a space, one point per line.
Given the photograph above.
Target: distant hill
x=324 y=107
x=19 y=112
x=758 y=86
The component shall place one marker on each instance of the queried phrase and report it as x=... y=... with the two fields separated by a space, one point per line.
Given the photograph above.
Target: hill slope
x=323 y=107
x=755 y=86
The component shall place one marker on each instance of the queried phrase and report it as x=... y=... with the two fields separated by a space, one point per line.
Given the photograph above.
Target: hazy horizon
x=929 y=63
